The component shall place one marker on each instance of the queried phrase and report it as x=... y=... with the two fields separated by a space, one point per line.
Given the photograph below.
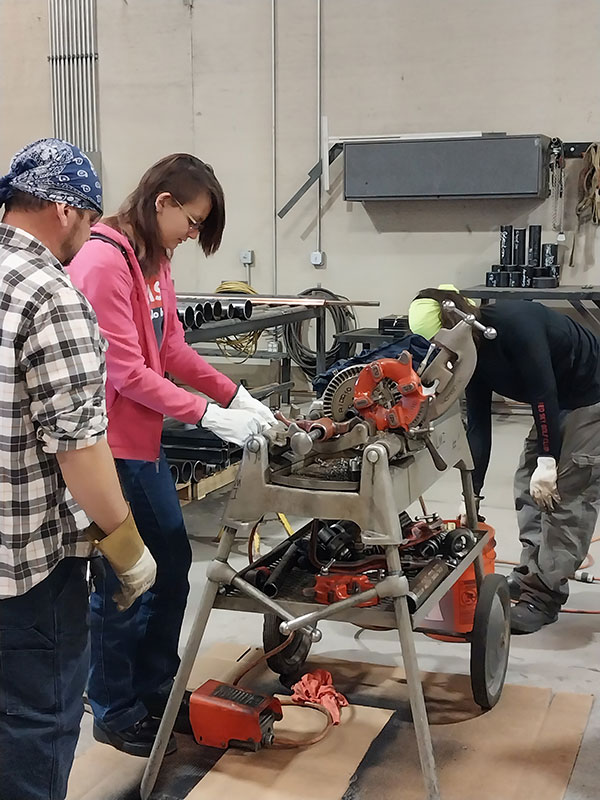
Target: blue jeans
x=134 y=652
x=44 y=659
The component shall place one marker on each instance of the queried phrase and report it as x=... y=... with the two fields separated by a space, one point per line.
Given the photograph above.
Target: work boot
x=527 y=618
x=514 y=586
x=137 y=739
x=155 y=705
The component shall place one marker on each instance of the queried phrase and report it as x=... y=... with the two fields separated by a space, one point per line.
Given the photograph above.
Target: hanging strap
x=588 y=205
x=101 y=237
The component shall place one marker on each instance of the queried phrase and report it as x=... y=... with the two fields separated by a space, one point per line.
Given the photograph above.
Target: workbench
x=576 y=296
x=369 y=338
x=261 y=320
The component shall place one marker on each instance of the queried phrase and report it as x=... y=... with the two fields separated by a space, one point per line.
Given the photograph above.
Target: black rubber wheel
x=490 y=641
x=291 y=659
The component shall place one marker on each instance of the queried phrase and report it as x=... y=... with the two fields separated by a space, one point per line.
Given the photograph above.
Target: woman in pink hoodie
x=124 y=271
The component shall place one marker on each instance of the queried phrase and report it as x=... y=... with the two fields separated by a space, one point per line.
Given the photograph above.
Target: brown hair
x=184 y=176
x=23 y=201
x=449 y=319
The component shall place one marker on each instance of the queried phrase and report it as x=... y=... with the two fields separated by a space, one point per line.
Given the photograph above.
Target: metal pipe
x=290 y=300
x=70 y=76
x=319 y=131
x=85 y=86
x=90 y=66
x=241 y=310
x=274 y=139
x=189 y=317
x=286 y=562
x=77 y=78
x=185 y=471
x=52 y=59
x=88 y=75
x=198 y=471
x=59 y=72
x=94 y=74
x=82 y=72
x=174 y=470
x=83 y=59
x=198 y=319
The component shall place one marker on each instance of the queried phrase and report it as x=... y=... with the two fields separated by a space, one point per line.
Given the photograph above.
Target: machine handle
x=438 y=461
x=470 y=319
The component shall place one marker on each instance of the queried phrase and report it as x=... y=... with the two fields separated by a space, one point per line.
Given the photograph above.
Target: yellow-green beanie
x=425 y=314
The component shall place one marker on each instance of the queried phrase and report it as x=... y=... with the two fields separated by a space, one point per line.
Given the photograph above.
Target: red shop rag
x=317 y=687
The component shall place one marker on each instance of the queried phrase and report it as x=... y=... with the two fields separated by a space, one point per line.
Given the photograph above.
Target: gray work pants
x=556 y=542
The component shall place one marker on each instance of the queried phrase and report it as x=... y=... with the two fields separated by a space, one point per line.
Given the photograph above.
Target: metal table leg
x=184 y=671
x=413 y=680
x=472 y=519
x=285 y=375
x=321 y=341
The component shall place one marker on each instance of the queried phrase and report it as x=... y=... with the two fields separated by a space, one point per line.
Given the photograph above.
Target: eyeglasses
x=193 y=224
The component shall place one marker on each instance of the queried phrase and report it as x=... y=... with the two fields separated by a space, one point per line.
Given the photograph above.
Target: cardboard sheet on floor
x=319 y=772
x=525 y=748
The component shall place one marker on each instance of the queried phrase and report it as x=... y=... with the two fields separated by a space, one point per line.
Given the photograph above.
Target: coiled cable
x=243 y=345
x=294 y=335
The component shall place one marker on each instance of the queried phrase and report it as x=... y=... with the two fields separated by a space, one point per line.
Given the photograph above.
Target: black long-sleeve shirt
x=540 y=357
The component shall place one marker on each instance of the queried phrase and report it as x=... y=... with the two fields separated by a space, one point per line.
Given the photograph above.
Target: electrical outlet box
x=317 y=259
x=247 y=257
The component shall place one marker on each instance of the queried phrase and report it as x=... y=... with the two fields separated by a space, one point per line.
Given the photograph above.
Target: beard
x=70 y=247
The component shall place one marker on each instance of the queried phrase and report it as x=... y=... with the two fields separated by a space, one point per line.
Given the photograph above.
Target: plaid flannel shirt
x=51 y=399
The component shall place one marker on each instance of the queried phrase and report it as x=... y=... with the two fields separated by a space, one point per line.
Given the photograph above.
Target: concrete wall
x=183 y=75
x=25 y=102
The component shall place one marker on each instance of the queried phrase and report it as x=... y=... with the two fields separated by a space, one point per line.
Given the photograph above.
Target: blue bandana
x=54 y=170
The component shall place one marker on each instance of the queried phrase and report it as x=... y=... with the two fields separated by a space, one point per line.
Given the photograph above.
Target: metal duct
x=74 y=73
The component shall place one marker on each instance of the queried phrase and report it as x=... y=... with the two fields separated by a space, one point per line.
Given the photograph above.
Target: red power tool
x=225 y=716
x=332 y=588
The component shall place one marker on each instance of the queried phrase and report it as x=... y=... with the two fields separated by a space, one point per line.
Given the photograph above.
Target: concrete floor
x=563 y=656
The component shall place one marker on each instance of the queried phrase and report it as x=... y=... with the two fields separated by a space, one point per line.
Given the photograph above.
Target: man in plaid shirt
x=56 y=470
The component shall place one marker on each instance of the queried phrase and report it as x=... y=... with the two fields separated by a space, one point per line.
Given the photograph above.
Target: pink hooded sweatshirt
x=138 y=395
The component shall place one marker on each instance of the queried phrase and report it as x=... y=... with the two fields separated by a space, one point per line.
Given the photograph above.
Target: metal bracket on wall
x=575 y=149
x=313 y=176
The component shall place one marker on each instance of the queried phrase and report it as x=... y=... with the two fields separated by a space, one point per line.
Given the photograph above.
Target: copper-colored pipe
x=259 y=299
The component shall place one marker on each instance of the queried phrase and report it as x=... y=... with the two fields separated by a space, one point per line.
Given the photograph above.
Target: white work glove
x=542 y=486
x=136 y=580
x=244 y=401
x=232 y=424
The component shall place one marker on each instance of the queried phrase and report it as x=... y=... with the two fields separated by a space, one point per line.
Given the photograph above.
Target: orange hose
x=287 y=744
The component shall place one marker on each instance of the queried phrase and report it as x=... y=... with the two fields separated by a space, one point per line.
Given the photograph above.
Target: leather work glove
x=543 y=484
x=129 y=557
x=244 y=401
x=232 y=424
